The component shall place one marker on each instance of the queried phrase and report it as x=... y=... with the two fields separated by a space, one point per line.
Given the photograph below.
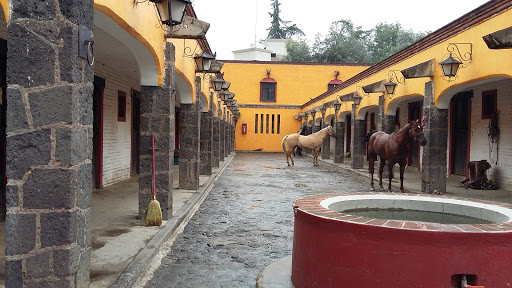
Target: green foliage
x=387 y=39
x=345 y=43
x=280 y=29
x=297 y=51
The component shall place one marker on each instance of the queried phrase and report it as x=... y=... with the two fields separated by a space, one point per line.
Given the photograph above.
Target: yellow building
x=269 y=118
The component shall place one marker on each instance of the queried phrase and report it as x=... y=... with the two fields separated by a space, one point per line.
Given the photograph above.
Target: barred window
x=268 y=90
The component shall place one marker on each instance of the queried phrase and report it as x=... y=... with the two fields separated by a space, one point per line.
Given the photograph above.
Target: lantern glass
x=217 y=84
x=390 y=87
x=357 y=99
x=450 y=66
x=203 y=62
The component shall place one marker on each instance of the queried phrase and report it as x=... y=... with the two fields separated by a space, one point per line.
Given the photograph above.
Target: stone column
x=190 y=126
x=157 y=108
x=358 y=144
x=222 y=137
x=49 y=146
x=216 y=142
x=226 y=138
x=385 y=122
x=326 y=145
x=339 y=147
x=433 y=166
x=205 y=167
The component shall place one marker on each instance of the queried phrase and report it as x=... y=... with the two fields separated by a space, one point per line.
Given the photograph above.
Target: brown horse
x=311 y=142
x=393 y=149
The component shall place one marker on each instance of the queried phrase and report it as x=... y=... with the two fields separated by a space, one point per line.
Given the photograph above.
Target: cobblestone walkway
x=246 y=221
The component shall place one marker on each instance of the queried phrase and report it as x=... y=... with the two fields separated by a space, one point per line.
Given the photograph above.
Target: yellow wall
x=296 y=84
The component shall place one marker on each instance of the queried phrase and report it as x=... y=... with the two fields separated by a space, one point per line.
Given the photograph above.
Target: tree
x=276 y=31
x=343 y=43
x=387 y=39
x=297 y=51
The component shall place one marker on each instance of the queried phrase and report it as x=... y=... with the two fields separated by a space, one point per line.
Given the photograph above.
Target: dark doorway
x=135 y=132
x=97 y=138
x=413 y=158
x=460 y=108
x=348 y=121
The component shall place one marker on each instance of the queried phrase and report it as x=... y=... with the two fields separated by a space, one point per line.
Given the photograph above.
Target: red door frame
x=468 y=142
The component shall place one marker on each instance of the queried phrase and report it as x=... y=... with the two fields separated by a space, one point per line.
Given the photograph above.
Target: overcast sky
x=239 y=24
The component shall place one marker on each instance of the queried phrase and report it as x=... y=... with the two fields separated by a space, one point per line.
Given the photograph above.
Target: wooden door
x=460 y=108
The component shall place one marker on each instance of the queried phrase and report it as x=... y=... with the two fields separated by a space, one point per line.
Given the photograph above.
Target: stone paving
x=246 y=221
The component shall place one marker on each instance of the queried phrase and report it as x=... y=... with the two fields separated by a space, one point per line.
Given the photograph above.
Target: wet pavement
x=246 y=221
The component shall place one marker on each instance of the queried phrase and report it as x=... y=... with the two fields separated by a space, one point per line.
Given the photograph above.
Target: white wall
x=250 y=54
x=501 y=172
x=116 y=135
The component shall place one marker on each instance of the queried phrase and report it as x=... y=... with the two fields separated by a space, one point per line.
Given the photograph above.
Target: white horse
x=312 y=142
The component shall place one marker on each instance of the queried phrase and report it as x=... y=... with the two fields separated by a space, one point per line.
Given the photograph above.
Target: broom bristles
x=154 y=216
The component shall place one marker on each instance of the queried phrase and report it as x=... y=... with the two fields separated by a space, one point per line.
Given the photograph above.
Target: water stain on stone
x=97 y=244
x=115 y=232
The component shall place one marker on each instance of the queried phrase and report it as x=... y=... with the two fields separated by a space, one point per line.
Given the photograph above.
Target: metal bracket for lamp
x=455 y=59
x=360 y=89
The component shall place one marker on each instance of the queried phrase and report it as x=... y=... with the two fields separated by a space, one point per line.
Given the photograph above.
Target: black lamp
x=217 y=84
x=171 y=12
x=390 y=87
x=357 y=99
x=337 y=105
x=203 y=62
x=224 y=95
x=450 y=66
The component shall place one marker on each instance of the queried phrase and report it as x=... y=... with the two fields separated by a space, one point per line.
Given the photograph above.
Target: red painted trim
x=335 y=82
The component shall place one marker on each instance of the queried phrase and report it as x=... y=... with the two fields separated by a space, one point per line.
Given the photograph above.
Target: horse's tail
x=367 y=140
x=283 y=143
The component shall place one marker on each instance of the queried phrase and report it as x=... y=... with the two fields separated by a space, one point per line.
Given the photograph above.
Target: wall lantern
x=357 y=99
x=226 y=85
x=337 y=105
x=455 y=60
x=203 y=62
x=171 y=12
x=231 y=95
x=450 y=66
x=223 y=95
x=390 y=87
x=217 y=84
x=323 y=109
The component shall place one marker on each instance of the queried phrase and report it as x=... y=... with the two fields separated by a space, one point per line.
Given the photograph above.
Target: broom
x=154 y=216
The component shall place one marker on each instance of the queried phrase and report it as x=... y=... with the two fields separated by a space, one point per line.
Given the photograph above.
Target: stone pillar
x=326 y=144
x=190 y=126
x=158 y=117
x=49 y=146
x=226 y=138
x=205 y=167
x=222 y=137
x=385 y=122
x=433 y=167
x=339 y=146
x=358 y=144
x=216 y=142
